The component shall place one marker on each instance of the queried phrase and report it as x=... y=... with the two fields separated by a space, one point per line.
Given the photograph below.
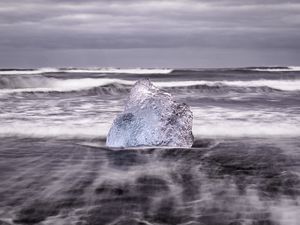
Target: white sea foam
x=124 y=71
x=114 y=70
x=286 y=211
x=86 y=70
x=225 y=122
x=246 y=129
x=287 y=69
x=224 y=129
x=208 y=122
x=68 y=130
x=29 y=72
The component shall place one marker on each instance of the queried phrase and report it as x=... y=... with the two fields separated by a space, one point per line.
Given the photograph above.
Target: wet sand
x=217 y=182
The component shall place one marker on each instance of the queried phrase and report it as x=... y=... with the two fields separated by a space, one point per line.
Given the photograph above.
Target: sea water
x=243 y=168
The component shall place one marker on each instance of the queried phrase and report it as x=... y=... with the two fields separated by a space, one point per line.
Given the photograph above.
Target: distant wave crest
x=278 y=69
x=142 y=70
x=28 y=71
x=84 y=70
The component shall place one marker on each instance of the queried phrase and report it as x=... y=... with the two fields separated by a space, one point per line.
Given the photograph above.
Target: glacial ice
x=151 y=118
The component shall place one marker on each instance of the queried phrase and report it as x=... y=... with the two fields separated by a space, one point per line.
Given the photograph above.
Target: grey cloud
x=138 y=24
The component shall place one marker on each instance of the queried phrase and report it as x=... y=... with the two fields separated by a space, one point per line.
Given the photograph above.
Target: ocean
x=244 y=166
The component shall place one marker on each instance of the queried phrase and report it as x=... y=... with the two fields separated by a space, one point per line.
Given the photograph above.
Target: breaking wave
x=85 y=70
x=40 y=84
x=113 y=70
x=43 y=84
x=28 y=71
x=277 y=69
x=96 y=70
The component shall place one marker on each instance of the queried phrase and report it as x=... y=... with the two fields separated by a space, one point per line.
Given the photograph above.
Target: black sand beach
x=236 y=181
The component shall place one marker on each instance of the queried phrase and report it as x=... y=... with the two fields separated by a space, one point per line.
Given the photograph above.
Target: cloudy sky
x=149 y=33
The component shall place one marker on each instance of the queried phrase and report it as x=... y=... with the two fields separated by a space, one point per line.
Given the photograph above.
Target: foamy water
x=286 y=69
x=209 y=123
x=41 y=106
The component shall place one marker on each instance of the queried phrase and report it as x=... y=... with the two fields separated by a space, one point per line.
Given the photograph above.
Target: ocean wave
x=94 y=86
x=142 y=70
x=277 y=69
x=28 y=71
x=85 y=70
x=284 y=85
x=17 y=82
x=114 y=70
x=220 y=88
x=43 y=84
x=116 y=89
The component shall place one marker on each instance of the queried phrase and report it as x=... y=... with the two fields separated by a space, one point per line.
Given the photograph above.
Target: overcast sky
x=154 y=33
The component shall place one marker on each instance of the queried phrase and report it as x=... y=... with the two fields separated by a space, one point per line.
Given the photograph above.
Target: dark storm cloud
x=133 y=24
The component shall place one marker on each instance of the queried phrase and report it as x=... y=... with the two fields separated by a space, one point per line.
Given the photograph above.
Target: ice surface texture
x=151 y=118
